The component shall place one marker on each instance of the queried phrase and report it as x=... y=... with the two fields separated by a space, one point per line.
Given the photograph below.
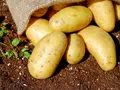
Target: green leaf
x=5 y=31
x=27 y=54
x=15 y=42
x=2 y=32
x=22 y=51
x=25 y=49
x=20 y=54
x=10 y=53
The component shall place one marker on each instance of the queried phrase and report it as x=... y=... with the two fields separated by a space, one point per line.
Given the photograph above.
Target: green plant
x=15 y=42
x=9 y=53
x=24 y=53
x=2 y=32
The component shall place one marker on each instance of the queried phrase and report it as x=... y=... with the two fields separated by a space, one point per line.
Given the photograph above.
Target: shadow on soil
x=116 y=41
x=63 y=64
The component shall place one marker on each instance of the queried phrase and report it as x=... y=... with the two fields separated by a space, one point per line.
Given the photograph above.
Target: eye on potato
x=37 y=29
x=75 y=50
x=103 y=12
x=101 y=45
x=40 y=12
x=71 y=19
x=47 y=54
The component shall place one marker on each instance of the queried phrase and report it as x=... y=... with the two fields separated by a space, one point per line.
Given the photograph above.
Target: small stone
x=97 y=79
x=20 y=73
x=98 y=88
x=78 y=84
x=111 y=88
x=118 y=62
x=23 y=58
x=9 y=64
x=71 y=68
x=18 y=78
x=19 y=67
x=25 y=85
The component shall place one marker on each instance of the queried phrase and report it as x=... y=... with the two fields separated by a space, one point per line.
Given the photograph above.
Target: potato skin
x=75 y=50
x=37 y=29
x=101 y=45
x=117 y=11
x=40 y=12
x=47 y=54
x=103 y=12
x=71 y=19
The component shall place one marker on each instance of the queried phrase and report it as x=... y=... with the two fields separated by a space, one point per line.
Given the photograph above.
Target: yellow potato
x=117 y=11
x=40 y=12
x=103 y=12
x=37 y=29
x=71 y=19
x=58 y=7
x=101 y=45
x=47 y=54
x=75 y=50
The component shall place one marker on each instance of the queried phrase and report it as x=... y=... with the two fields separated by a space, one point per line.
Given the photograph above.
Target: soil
x=86 y=75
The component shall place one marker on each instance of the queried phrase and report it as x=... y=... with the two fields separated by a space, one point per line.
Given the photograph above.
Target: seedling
x=15 y=42
x=24 y=53
x=2 y=32
x=9 y=54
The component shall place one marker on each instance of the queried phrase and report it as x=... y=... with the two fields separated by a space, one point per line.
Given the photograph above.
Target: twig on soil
x=3 y=44
x=2 y=52
x=15 y=53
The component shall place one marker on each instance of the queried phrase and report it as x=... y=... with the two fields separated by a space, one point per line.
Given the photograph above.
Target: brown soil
x=86 y=75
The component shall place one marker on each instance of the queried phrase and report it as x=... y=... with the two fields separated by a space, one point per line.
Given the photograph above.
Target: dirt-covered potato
x=101 y=45
x=47 y=54
x=75 y=50
x=37 y=29
x=58 y=7
x=71 y=19
x=103 y=12
x=40 y=12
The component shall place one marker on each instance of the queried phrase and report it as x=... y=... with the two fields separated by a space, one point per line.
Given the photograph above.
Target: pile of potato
x=65 y=31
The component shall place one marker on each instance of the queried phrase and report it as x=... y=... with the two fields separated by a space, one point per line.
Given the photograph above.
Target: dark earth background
x=86 y=75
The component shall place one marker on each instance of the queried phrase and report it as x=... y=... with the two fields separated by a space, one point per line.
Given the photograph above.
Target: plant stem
x=2 y=52
x=15 y=53
x=3 y=44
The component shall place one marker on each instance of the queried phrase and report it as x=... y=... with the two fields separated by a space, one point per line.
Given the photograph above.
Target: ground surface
x=86 y=75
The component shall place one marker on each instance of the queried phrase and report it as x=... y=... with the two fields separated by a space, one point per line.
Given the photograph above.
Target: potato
x=75 y=50
x=58 y=7
x=117 y=11
x=101 y=45
x=40 y=12
x=47 y=54
x=50 y=13
x=71 y=19
x=103 y=12
x=37 y=29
